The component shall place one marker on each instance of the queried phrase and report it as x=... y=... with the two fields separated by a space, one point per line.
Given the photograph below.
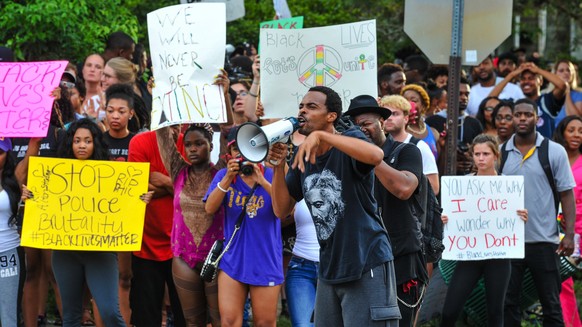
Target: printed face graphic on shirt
x=323 y=195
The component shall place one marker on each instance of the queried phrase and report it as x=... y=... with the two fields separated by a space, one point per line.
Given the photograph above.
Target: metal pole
x=453 y=88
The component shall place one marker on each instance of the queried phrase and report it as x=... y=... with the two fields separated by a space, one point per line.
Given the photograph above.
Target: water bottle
x=576 y=253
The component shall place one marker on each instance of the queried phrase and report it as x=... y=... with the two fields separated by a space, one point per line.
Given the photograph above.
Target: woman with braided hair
x=194 y=230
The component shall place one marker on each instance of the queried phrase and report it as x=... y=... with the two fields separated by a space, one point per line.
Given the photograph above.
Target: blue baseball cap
x=5 y=144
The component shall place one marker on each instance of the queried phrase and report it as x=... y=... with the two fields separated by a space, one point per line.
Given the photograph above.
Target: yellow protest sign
x=85 y=205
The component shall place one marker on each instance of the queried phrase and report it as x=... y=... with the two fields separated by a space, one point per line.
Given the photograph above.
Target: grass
x=532 y=320
x=284 y=322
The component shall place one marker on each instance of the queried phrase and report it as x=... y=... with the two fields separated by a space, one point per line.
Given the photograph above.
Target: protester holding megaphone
x=254 y=141
x=253 y=261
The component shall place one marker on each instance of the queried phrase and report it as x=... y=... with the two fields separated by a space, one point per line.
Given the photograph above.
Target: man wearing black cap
x=506 y=63
x=335 y=174
x=397 y=182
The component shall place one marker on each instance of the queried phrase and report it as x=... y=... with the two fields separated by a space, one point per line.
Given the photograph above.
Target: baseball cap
x=5 y=144
x=71 y=75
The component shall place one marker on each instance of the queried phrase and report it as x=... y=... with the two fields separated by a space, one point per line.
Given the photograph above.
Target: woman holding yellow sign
x=84 y=141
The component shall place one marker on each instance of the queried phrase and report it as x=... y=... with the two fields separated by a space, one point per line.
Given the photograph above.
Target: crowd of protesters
x=329 y=235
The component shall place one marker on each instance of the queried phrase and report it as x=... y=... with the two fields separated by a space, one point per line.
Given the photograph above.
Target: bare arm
x=569 y=211
x=253 y=98
x=283 y=203
x=161 y=185
x=222 y=79
x=261 y=180
x=172 y=159
x=510 y=77
x=289 y=220
x=360 y=150
x=571 y=107
x=214 y=200
x=559 y=85
x=400 y=183
x=434 y=182
x=21 y=170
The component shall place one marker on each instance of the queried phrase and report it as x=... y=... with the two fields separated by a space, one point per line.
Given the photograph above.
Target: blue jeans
x=100 y=271
x=300 y=286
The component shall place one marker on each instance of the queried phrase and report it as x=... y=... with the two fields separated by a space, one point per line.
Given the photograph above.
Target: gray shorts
x=9 y=278
x=368 y=301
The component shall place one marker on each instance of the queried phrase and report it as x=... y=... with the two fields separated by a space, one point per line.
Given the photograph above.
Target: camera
x=245 y=167
x=210 y=266
x=463 y=147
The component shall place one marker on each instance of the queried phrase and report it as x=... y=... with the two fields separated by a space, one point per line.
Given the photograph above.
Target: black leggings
x=496 y=273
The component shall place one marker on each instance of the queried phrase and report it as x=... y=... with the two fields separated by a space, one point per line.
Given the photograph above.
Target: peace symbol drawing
x=319 y=66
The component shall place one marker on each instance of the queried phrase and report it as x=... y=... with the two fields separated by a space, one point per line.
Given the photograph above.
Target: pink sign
x=25 y=96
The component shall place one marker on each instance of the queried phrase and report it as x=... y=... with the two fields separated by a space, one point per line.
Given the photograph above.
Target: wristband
x=252 y=94
x=220 y=188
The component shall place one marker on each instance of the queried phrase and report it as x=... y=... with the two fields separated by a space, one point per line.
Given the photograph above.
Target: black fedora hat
x=363 y=104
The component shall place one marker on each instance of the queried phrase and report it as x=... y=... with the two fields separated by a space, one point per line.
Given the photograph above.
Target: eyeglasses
x=67 y=85
x=242 y=93
x=500 y=118
x=489 y=109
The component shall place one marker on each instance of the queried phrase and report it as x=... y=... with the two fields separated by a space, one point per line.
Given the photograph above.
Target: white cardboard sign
x=187 y=48
x=342 y=57
x=483 y=221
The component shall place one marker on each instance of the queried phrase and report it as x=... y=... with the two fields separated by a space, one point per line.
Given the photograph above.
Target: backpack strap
x=414 y=140
x=393 y=156
x=544 y=158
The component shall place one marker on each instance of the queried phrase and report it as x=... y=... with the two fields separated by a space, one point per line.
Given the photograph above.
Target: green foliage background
x=72 y=29
x=62 y=29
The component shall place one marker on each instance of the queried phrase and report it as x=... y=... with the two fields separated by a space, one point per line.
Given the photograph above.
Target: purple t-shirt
x=255 y=256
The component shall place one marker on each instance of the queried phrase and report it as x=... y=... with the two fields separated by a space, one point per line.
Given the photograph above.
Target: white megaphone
x=253 y=141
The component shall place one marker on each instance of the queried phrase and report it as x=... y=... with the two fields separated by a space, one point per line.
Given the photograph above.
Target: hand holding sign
x=85 y=205
x=25 y=96
x=483 y=214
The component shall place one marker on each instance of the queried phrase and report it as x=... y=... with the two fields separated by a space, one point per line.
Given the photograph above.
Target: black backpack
x=544 y=158
x=427 y=210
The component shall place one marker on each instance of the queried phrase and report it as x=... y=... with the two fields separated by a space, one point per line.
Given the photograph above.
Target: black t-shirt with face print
x=339 y=192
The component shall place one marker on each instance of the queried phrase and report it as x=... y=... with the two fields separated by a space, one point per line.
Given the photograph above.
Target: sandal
x=87 y=319
x=88 y=322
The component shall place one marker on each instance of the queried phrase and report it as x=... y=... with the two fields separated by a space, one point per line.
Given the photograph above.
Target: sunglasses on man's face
x=67 y=85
